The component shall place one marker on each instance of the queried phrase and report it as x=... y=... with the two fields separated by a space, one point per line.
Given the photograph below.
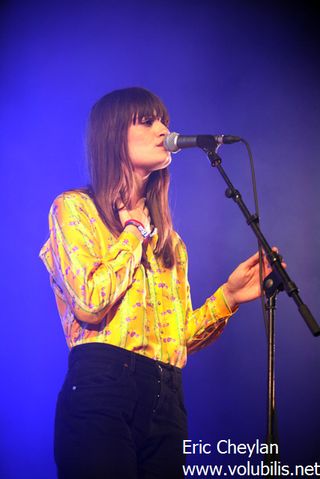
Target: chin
x=165 y=163
x=168 y=158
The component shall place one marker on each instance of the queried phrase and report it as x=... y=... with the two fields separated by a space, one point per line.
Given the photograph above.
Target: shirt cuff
x=221 y=304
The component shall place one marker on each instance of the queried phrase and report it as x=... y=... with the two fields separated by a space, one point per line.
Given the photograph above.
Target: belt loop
x=132 y=361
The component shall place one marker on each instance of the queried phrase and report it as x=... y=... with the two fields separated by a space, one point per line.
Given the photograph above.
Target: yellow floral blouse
x=104 y=294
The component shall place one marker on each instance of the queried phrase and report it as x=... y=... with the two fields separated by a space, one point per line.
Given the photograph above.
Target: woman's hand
x=140 y=213
x=244 y=283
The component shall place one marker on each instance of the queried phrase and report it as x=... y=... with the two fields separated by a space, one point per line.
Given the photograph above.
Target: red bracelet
x=138 y=225
x=132 y=221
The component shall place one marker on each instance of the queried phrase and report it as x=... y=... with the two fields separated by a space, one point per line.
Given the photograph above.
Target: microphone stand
x=278 y=280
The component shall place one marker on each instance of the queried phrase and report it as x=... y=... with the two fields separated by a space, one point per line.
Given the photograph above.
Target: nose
x=162 y=129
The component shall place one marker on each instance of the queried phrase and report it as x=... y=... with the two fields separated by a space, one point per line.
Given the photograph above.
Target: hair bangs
x=145 y=104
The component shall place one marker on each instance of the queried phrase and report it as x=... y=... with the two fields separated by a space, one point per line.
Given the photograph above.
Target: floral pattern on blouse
x=104 y=294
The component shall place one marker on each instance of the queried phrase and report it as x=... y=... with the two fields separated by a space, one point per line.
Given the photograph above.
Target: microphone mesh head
x=170 y=142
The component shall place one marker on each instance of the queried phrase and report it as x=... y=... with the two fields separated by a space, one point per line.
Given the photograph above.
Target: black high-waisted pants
x=119 y=415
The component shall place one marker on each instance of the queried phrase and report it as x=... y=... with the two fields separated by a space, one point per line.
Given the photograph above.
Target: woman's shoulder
x=180 y=250
x=76 y=195
x=77 y=199
x=176 y=237
x=74 y=205
x=178 y=242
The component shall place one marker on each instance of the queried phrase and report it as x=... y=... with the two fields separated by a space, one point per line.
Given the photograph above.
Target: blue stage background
x=244 y=68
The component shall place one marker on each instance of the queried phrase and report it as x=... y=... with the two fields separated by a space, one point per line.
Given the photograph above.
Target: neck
x=139 y=187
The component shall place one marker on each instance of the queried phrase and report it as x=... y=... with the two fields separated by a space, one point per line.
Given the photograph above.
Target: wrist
x=132 y=229
x=229 y=297
x=137 y=227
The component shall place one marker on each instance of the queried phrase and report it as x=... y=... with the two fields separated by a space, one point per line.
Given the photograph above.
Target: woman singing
x=119 y=274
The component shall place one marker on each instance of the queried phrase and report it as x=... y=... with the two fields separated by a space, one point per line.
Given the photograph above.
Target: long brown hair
x=111 y=172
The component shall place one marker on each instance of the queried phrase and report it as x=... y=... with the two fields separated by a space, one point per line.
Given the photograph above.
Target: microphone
x=174 y=142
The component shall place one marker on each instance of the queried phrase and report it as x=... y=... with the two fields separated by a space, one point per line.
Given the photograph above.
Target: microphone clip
x=213 y=156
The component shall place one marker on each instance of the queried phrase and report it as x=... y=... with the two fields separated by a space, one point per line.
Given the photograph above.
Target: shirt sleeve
x=90 y=283
x=205 y=324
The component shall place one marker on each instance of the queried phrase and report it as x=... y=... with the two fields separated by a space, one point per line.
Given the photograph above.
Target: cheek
x=137 y=140
x=133 y=145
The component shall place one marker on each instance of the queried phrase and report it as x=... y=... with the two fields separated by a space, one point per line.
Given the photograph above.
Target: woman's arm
x=206 y=323
x=91 y=283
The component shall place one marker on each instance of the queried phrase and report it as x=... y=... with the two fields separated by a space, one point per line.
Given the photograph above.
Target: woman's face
x=145 y=146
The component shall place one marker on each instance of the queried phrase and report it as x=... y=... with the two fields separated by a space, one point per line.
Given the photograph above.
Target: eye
x=147 y=120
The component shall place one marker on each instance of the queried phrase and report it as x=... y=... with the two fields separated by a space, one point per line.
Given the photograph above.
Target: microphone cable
x=257 y=213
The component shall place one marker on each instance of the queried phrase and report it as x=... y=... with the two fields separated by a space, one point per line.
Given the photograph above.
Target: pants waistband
x=104 y=352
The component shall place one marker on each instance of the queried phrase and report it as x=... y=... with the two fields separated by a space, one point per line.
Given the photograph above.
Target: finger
x=253 y=260
x=280 y=258
x=119 y=204
x=275 y=250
